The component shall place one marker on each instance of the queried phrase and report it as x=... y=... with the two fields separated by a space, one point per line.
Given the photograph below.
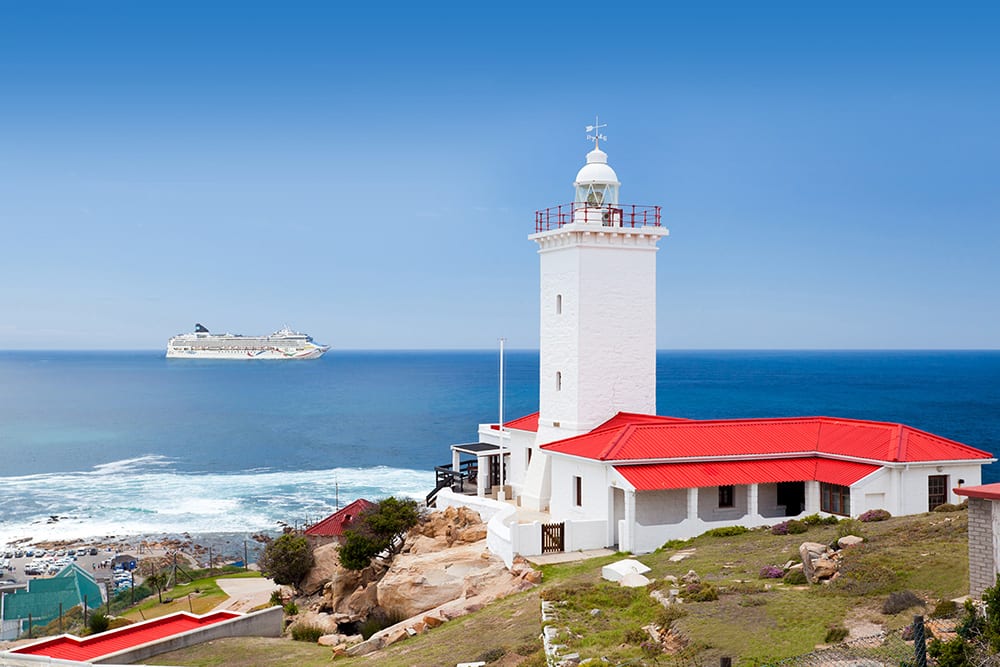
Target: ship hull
x=246 y=354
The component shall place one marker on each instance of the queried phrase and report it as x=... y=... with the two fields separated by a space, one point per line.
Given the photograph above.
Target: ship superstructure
x=282 y=344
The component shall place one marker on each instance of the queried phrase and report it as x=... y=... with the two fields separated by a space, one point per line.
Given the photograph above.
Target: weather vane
x=596 y=129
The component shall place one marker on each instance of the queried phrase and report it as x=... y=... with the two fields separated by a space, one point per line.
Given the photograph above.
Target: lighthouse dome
x=596 y=170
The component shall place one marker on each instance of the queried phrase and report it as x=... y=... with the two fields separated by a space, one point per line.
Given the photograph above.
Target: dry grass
x=926 y=554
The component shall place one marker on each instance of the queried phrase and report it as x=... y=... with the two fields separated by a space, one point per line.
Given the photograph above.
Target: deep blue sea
x=127 y=443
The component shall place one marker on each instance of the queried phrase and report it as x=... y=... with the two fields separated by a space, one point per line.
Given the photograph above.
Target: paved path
x=245 y=594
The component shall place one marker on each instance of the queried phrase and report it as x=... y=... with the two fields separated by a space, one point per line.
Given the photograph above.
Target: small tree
x=379 y=529
x=157 y=580
x=287 y=559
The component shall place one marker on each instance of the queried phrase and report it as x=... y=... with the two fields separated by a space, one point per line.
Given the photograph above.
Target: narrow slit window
x=558 y=304
x=558 y=380
x=578 y=491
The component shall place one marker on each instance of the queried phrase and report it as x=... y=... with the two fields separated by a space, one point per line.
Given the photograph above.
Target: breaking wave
x=146 y=496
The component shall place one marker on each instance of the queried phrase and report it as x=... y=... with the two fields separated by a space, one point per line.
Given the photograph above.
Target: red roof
x=68 y=647
x=657 y=476
x=986 y=491
x=625 y=438
x=525 y=423
x=335 y=524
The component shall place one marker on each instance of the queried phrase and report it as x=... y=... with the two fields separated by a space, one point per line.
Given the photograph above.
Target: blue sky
x=369 y=172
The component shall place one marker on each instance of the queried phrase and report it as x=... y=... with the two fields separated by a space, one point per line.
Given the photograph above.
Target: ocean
x=130 y=443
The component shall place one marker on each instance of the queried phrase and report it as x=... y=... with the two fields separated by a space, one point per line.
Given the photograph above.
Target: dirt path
x=245 y=594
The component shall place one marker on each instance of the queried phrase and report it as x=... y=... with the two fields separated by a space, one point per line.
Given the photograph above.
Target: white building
x=595 y=467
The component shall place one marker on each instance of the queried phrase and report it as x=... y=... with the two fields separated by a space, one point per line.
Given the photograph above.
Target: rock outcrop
x=442 y=572
x=821 y=562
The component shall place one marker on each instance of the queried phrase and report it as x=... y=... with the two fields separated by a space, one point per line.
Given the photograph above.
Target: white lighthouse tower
x=598 y=304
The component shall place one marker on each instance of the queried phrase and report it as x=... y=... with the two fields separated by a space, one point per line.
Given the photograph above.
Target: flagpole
x=502 y=340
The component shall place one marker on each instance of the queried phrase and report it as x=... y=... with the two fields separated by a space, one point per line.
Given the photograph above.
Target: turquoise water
x=131 y=442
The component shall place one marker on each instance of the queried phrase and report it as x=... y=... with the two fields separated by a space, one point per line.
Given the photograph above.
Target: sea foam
x=146 y=496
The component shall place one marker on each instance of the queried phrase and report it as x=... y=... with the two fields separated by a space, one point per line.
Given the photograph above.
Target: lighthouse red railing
x=623 y=215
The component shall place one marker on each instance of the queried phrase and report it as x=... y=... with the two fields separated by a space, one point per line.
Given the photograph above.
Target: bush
x=636 y=636
x=491 y=654
x=945 y=609
x=848 y=527
x=377 y=530
x=98 y=622
x=771 y=572
x=948 y=507
x=667 y=615
x=900 y=601
x=836 y=633
x=795 y=578
x=291 y=609
x=874 y=515
x=727 y=531
x=780 y=528
x=796 y=527
x=702 y=592
x=675 y=544
x=303 y=632
x=287 y=559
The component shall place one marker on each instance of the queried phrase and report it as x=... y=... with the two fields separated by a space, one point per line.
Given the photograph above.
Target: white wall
x=603 y=342
x=595 y=485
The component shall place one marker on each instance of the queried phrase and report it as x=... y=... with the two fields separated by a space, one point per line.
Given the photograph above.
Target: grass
x=198 y=597
x=754 y=621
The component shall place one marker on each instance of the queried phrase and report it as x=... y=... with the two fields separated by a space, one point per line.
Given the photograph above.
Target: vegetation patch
x=727 y=531
x=303 y=632
x=901 y=601
x=874 y=515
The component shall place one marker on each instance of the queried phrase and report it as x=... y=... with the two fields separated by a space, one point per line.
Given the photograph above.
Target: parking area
x=18 y=565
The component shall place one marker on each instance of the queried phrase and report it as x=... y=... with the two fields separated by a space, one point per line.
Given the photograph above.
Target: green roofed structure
x=41 y=600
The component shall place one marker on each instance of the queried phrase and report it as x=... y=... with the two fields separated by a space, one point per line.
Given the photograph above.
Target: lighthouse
x=597 y=343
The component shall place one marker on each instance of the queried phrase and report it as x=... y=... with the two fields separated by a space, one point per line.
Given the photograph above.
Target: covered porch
x=476 y=468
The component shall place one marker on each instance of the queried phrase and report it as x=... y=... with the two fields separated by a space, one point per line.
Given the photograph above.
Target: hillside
x=753 y=620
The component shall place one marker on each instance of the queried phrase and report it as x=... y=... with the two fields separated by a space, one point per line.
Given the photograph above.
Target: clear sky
x=368 y=172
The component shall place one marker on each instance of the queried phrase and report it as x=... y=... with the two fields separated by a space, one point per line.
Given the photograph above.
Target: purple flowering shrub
x=874 y=515
x=771 y=572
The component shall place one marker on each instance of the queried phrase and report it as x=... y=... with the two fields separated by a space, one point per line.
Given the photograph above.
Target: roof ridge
x=605 y=453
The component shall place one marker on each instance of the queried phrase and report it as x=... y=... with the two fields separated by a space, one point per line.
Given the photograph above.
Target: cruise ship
x=282 y=344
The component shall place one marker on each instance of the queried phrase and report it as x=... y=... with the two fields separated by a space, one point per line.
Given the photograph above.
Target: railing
x=625 y=215
x=447 y=477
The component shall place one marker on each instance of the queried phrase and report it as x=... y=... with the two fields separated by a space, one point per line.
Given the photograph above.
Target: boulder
x=326 y=567
x=418 y=583
x=823 y=568
x=849 y=541
x=691 y=578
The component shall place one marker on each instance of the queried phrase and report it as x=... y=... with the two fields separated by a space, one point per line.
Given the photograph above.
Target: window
x=528 y=461
x=937 y=491
x=578 y=488
x=558 y=304
x=726 y=496
x=558 y=380
x=835 y=499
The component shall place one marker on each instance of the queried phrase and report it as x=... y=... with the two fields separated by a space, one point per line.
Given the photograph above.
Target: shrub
x=727 y=531
x=702 y=592
x=948 y=507
x=675 y=544
x=287 y=559
x=900 y=601
x=378 y=530
x=771 y=572
x=835 y=633
x=98 y=622
x=796 y=527
x=636 y=636
x=945 y=609
x=303 y=632
x=795 y=578
x=812 y=520
x=780 y=528
x=291 y=609
x=874 y=515
x=491 y=654
x=667 y=615
x=848 y=527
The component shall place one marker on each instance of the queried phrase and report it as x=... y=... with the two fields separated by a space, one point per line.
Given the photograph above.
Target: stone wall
x=982 y=559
